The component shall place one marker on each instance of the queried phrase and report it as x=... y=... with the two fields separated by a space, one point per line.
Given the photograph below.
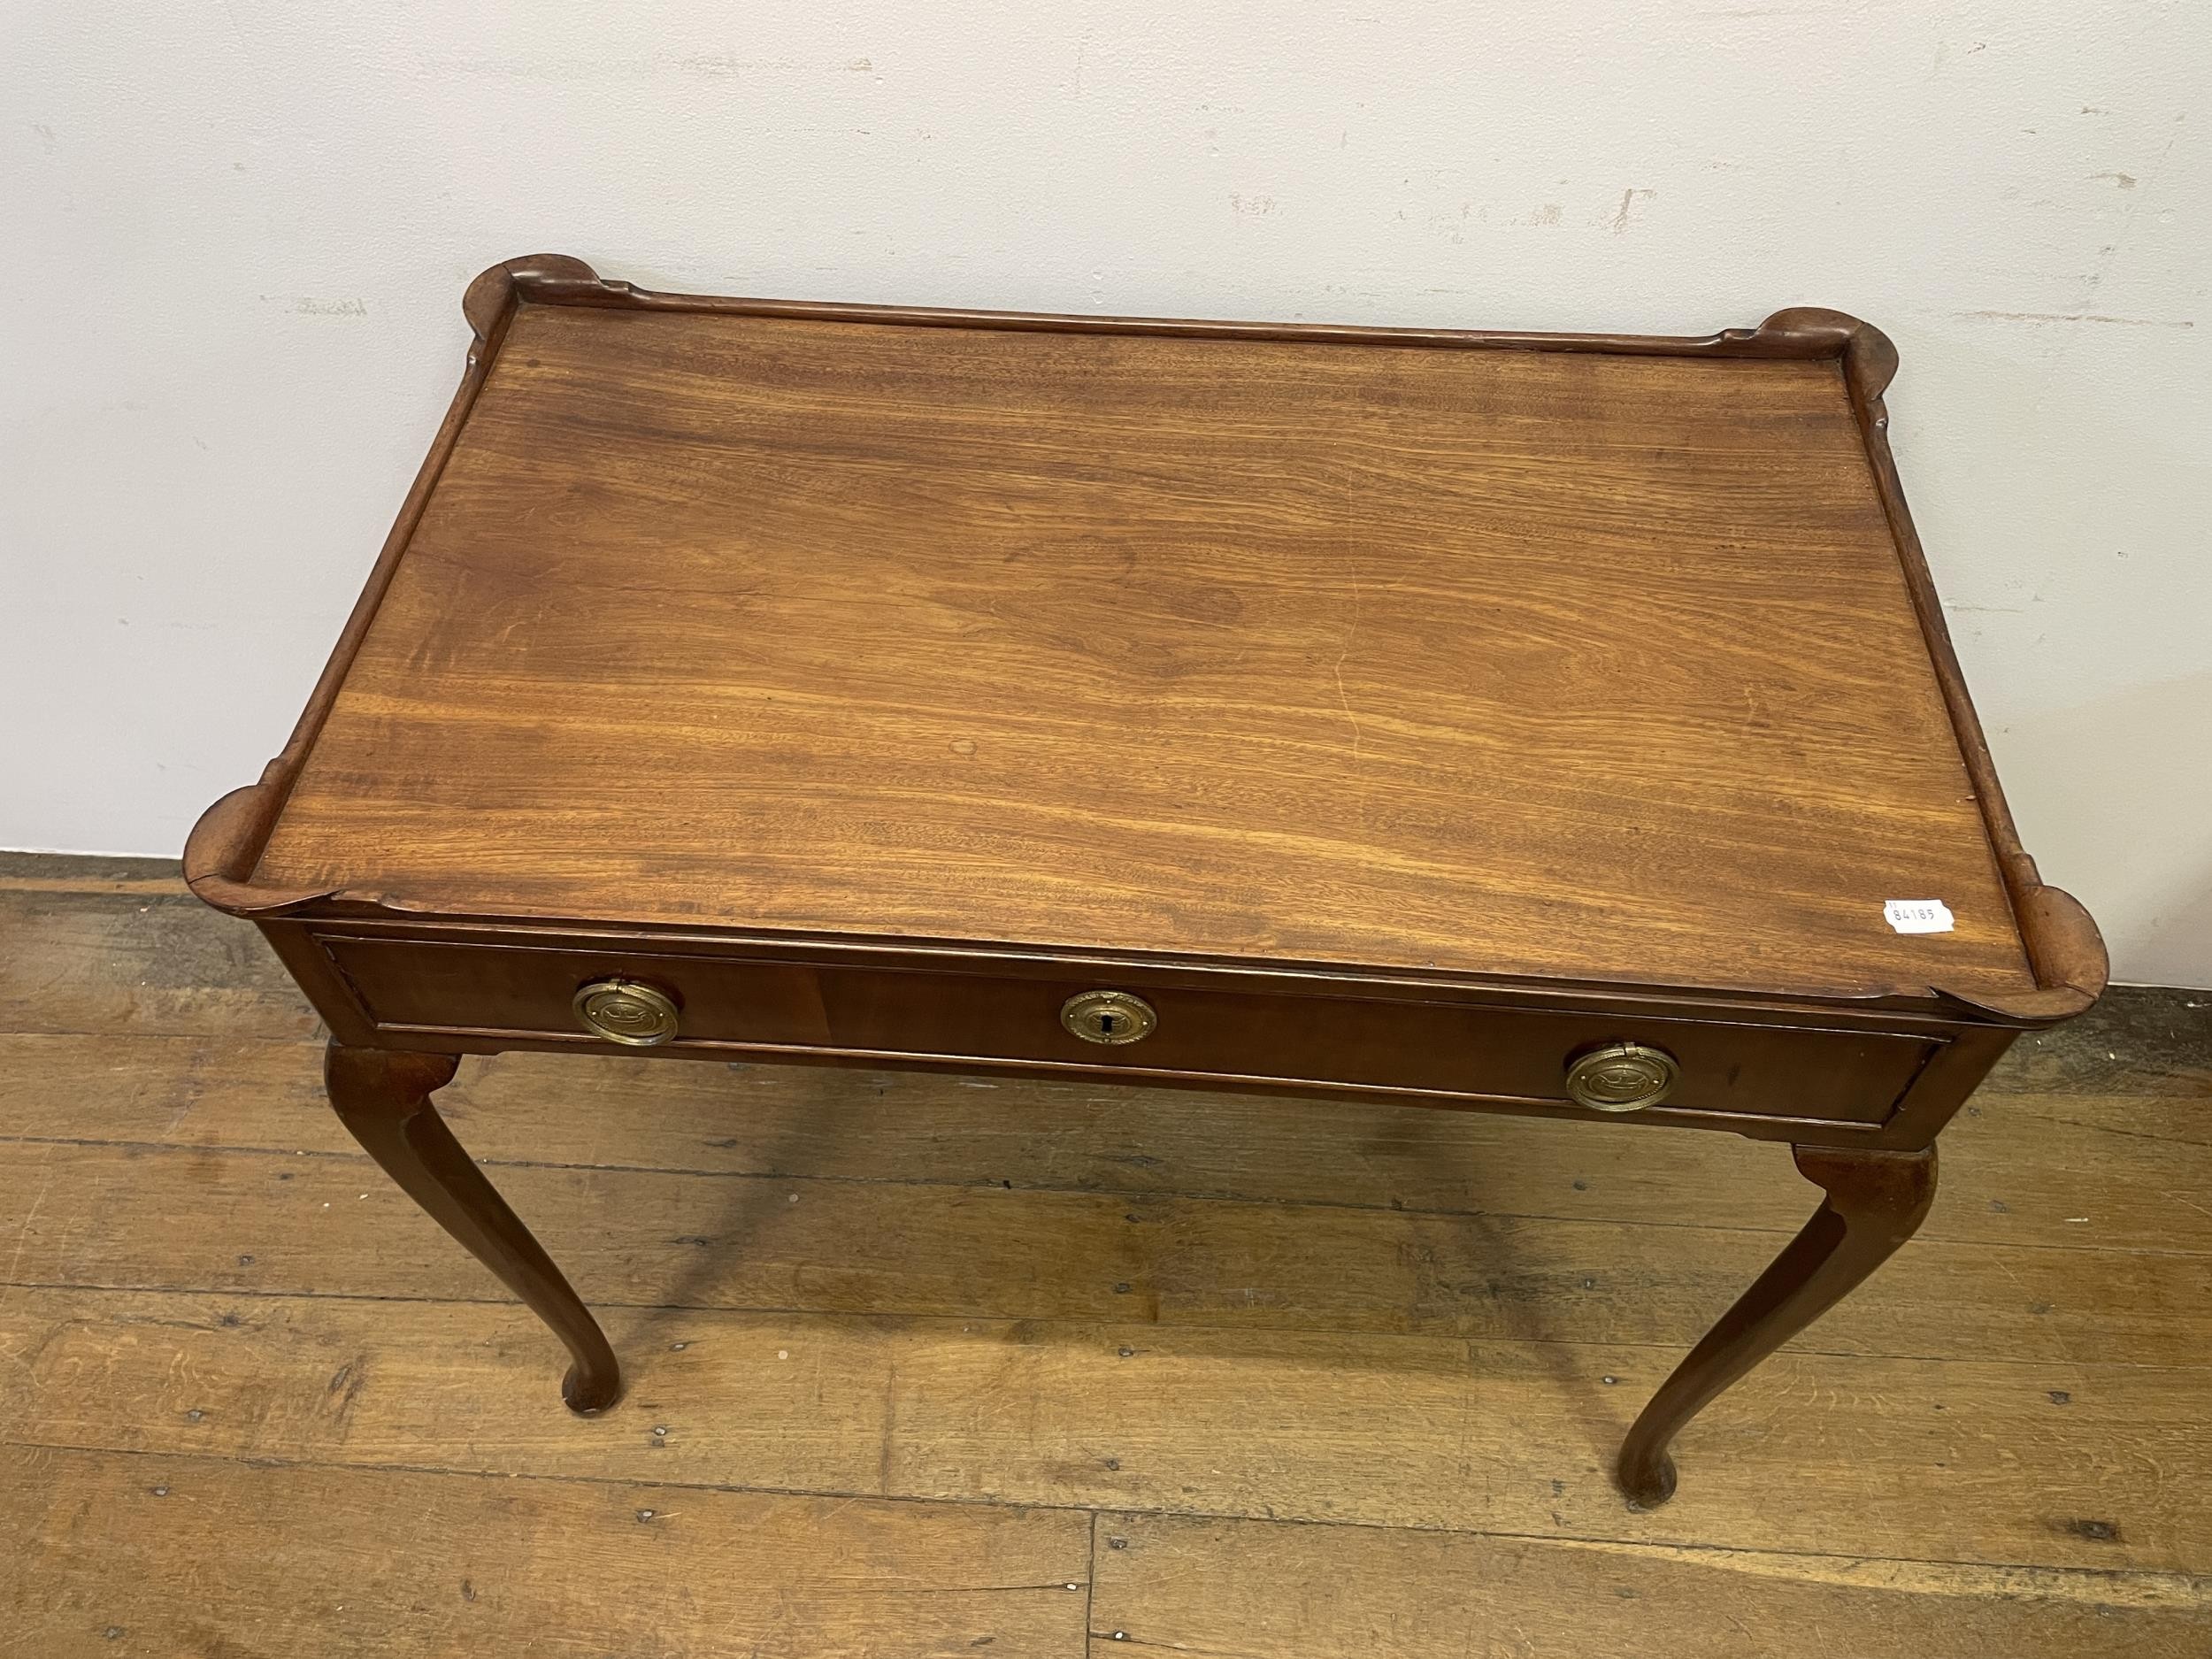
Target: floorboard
x=2048 y=1464
x=183 y=1554
x=910 y=1354
x=329 y=1223
x=2087 y=1168
x=1234 y=1587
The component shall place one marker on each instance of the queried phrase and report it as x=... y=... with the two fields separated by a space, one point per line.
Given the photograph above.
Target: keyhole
x=1110 y=1016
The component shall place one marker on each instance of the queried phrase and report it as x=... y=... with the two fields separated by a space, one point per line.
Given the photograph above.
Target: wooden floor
x=942 y=1365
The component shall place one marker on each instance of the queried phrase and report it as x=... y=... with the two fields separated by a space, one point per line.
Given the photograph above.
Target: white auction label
x=1917 y=916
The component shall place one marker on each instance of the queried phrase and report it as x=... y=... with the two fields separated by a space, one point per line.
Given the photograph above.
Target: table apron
x=1753 y=1075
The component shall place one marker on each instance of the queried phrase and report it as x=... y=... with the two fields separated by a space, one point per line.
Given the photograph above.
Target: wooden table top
x=1579 y=664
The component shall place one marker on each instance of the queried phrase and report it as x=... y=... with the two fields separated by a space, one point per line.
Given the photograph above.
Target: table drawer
x=1228 y=1036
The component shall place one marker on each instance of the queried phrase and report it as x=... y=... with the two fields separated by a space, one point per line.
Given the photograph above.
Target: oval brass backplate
x=1110 y=1016
x=626 y=1011
x=1621 y=1076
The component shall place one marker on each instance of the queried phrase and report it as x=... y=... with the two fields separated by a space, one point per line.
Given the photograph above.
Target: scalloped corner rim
x=2065 y=945
x=216 y=850
x=487 y=297
x=2065 y=951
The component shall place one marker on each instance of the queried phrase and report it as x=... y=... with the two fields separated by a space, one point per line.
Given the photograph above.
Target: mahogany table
x=1550 y=723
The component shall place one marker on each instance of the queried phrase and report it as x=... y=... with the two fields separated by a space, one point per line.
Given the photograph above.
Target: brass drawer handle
x=1621 y=1076
x=1108 y=1017
x=626 y=1011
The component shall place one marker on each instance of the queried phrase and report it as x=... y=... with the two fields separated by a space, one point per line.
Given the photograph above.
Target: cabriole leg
x=382 y=1096
x=1875 y=1203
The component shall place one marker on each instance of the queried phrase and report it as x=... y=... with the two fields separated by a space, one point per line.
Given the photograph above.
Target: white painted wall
x=238 y=236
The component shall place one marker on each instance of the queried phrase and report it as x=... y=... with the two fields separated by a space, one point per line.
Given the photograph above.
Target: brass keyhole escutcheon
x=1108 y=1017
x=1621 y=1076
x=626 y=1011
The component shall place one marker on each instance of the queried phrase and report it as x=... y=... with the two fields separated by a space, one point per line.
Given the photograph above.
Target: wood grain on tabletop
x=1511 y=662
